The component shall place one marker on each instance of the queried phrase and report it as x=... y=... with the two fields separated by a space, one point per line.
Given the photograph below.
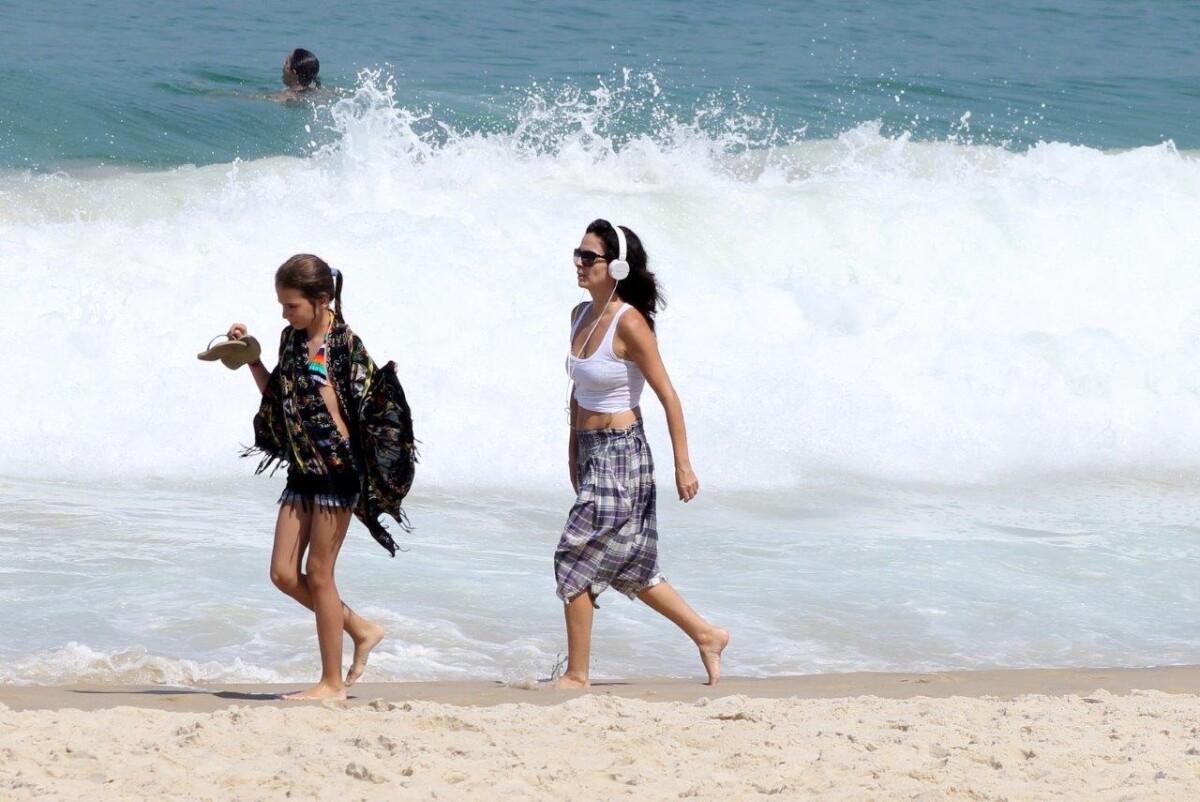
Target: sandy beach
x=1119 y=734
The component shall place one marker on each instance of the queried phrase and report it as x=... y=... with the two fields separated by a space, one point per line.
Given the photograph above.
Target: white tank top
x=604 y=382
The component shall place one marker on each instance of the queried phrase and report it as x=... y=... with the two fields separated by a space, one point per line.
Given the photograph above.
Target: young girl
x=610 y=539
x=344 y=430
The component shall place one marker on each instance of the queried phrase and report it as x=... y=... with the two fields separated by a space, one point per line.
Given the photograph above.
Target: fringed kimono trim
x=377 y=414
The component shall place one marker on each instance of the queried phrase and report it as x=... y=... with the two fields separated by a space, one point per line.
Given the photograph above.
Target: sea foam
x=868 y=304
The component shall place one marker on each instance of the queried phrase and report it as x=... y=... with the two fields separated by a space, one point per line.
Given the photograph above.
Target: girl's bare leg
x=291 y=541
x=710 y=640
x=579 y=613
x=327 y=531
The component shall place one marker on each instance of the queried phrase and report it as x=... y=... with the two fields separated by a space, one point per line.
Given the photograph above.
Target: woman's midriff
x=586 y=420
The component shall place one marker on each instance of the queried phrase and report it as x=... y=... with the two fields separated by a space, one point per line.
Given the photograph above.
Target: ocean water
x=932 y=314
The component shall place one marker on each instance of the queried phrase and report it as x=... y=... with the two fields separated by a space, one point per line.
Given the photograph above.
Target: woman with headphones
x=610 y=539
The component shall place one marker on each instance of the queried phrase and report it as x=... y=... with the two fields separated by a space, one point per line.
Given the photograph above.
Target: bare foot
x=318 y=692
x=362 y=650
x=711 y=646
x=567 y=682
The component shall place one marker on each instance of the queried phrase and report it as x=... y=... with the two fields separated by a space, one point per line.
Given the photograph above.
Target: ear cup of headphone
x=618 y=268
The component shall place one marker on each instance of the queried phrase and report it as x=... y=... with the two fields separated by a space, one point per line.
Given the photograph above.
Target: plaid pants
x=611 y=536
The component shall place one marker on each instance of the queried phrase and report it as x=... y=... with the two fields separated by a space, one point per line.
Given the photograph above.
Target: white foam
x=76 y=663
x=882 y=306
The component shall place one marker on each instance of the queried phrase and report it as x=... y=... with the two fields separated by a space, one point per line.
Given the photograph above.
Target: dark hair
x=314 y=278
x=640 y=289
x=306 y=65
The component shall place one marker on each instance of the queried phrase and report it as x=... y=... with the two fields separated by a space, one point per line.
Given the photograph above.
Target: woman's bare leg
x=710 y=640
x=291 y=541
x=327 y=531
x=579 y=613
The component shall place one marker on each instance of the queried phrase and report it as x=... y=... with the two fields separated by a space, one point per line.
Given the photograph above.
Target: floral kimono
x=384 y=453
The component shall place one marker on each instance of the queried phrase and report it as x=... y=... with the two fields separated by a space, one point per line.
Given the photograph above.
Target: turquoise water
x=933 y=314
x=139 y=85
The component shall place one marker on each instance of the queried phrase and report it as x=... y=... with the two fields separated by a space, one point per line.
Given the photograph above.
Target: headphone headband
x=619 y=268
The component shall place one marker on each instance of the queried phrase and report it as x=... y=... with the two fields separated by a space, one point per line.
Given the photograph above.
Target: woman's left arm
x=641 y=348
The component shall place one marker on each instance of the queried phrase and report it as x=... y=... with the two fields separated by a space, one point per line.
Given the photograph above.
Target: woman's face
x=298 y=310
x=596 y=276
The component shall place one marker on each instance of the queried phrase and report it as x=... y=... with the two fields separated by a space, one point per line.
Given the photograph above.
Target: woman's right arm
x=259 y=371
x=573 y=447
x=573 y=413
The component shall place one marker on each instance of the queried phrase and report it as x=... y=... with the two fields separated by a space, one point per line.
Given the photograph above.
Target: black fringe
x=370 y=518
x=268 y=460
x=381 y=535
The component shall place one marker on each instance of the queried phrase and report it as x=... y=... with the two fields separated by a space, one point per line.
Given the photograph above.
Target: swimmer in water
x=300 y=70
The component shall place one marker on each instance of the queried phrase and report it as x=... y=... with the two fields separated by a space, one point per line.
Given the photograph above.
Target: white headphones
x=619 y=268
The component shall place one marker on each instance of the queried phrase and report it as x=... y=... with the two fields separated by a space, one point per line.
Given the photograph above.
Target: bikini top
x=317 y=367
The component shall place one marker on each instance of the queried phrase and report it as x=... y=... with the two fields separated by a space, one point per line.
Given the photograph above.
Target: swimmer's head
x=300 y=69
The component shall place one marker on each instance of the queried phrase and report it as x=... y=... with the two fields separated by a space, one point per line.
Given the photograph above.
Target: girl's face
x=595 y=276
x=298 y=310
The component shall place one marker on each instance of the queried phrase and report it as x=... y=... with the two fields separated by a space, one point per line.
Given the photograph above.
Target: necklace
x=588 y=338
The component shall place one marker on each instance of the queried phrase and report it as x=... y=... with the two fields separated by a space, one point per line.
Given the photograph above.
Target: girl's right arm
x=259 y=371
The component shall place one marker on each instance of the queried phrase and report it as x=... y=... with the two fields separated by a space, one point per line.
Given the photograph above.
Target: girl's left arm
x=641 y=348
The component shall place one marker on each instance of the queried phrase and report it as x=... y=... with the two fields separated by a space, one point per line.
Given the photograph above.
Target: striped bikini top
x=317 y=367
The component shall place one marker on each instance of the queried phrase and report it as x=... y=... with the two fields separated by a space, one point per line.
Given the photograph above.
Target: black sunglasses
x=588 y=258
